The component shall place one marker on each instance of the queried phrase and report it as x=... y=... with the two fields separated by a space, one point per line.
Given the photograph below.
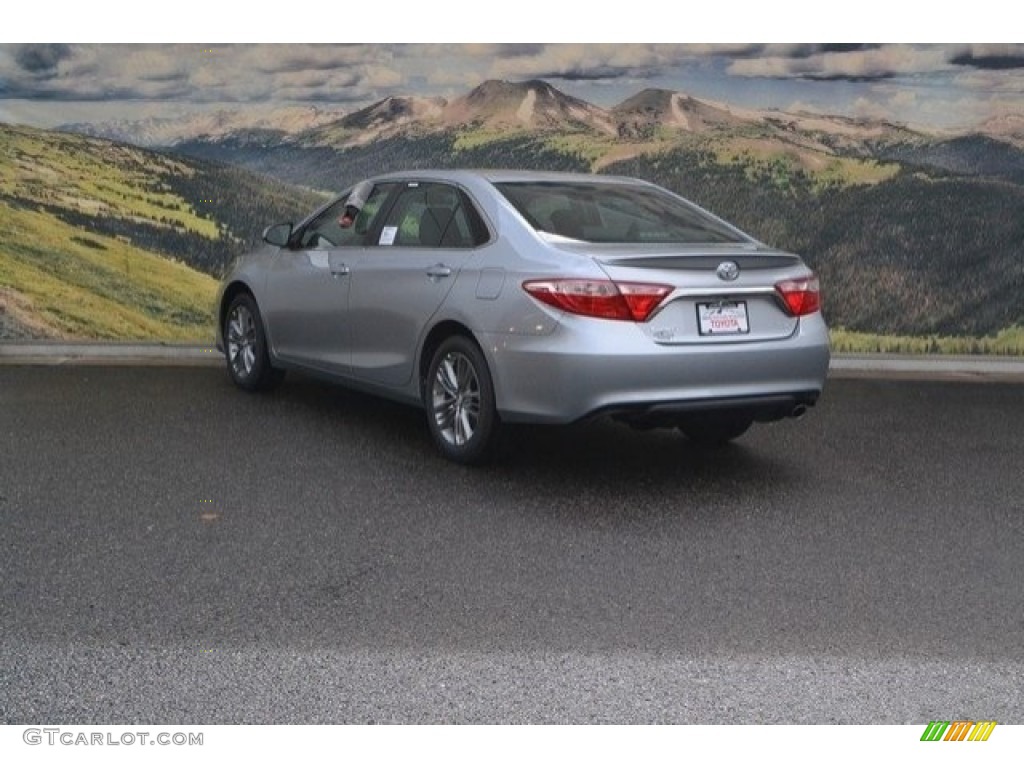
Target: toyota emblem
x=728 y=270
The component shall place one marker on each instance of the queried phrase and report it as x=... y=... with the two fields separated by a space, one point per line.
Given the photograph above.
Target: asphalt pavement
x=174 y=550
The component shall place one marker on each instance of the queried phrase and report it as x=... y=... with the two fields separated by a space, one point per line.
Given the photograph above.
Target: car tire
x=714 y=429
x=459 y=398
x=245 y=346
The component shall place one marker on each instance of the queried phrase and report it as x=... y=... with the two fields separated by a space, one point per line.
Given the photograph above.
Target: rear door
x=428 y=235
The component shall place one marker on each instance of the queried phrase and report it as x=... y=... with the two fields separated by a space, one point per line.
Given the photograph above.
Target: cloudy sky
x=946 y=86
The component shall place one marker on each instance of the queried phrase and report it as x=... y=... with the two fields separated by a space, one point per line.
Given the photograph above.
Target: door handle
x=438 y=271
x=341 y=270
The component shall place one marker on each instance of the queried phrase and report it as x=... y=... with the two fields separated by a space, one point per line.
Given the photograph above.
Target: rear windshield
x=614 y=213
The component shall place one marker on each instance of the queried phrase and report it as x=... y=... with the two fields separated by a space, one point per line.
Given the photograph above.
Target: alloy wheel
x=455 y=399
x=241 y=341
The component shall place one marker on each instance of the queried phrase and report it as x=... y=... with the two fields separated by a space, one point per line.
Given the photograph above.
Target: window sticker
x=387 y=236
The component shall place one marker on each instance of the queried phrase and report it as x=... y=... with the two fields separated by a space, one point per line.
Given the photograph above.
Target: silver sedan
x=489 y=297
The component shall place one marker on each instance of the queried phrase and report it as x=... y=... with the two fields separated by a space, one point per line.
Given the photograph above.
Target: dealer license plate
x=722 y=318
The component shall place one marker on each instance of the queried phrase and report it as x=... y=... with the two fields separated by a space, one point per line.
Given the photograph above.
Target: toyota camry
x=492 y=297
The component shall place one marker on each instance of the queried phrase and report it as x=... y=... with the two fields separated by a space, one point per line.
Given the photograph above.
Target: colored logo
x=958 y=730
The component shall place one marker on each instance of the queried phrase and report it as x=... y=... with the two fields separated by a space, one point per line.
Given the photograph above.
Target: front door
x=309 y=284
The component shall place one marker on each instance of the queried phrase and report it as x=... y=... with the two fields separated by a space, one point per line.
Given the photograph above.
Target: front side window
x=433 y=215
x=596 y=212
x=325 y=231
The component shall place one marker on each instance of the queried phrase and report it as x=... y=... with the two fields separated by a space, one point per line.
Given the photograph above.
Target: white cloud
x=876 y=63
x=991 y=81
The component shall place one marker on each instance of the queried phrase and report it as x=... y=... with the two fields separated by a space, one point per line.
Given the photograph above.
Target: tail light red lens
x=600 y=298
x=801 y=296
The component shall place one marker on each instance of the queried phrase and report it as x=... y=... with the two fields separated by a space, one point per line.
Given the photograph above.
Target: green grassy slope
x=107 y=241
x=1009 y=342
x=56 y=283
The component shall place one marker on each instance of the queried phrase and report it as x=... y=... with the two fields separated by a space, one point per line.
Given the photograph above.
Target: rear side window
x=433 y=215
x=595 y=212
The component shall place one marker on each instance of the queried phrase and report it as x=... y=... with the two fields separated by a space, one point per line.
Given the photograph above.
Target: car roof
x=497 y=176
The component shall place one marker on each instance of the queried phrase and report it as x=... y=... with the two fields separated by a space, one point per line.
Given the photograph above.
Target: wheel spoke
x=449 y=418
x=443 y=400
x=466 y=427
x=461 y=375
x=448 y=377
x=444 y=407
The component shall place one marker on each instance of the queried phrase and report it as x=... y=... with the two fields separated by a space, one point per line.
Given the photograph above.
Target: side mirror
x=278 y=234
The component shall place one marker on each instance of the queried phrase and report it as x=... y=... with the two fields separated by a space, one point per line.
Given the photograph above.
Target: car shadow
x=563 y=459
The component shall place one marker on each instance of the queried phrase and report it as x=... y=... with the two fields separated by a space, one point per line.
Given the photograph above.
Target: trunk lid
x=722 y=294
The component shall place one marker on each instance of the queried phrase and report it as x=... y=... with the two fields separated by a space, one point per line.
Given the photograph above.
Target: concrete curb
x=156 y=353
x=928 y=366
x=107 y=353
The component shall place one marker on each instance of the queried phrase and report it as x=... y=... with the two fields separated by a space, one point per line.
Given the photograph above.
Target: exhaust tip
x=798 y=411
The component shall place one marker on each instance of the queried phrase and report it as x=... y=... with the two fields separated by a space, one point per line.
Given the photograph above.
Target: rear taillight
x=600 y=298
x=801 y=296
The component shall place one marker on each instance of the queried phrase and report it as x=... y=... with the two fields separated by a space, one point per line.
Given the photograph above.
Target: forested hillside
x=332 y=169
x=917 y=254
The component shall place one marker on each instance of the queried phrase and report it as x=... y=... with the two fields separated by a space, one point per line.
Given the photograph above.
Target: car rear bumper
x=587 y=367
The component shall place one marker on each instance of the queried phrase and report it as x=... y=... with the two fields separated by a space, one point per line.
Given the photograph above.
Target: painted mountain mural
x=913 y=232
x=104 y=240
